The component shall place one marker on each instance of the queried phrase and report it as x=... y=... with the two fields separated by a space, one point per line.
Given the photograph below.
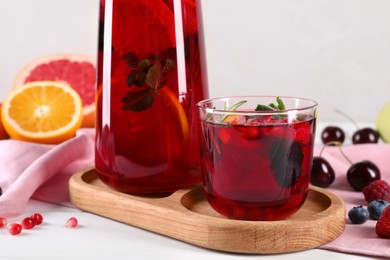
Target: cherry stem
x=338 y=144
x=348 y=117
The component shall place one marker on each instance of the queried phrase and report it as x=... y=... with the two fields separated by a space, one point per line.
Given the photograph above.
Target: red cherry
x=332 y=134
x=365 y=135
x=360 y=174
x=322 y=174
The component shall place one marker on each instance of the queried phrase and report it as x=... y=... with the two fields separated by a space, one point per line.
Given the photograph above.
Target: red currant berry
x=15 y=229
x=71 y=223
x=38 y=218
x=28 y=223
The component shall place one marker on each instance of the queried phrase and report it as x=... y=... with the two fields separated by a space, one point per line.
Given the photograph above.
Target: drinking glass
x=257 y=154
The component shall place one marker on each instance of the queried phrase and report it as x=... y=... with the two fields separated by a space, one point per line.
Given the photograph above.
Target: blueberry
x=376 y=207
x=358 y=215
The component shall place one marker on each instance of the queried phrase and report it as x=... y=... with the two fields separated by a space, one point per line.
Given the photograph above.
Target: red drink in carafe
x=150 y=77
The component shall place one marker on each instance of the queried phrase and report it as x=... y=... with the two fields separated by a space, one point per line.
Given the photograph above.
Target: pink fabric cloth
x=357 y=239
x=30 y=170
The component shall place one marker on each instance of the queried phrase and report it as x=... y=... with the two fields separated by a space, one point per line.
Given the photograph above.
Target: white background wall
x=334 y=51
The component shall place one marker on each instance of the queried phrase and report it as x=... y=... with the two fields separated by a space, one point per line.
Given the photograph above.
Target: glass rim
x=201 y=105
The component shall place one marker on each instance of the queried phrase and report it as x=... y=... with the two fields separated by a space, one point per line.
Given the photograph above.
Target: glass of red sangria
x=256 y=154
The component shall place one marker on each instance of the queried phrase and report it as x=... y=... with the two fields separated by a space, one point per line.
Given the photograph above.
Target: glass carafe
x=150 y=76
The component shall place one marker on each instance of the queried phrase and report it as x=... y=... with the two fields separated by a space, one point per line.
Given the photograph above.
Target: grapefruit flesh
x=79 y=71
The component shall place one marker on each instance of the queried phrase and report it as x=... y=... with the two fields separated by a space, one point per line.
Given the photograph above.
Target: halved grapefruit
x=78 y=71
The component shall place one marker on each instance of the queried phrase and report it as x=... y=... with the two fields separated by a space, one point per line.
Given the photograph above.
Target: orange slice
x=159 y=133
x=42 y=112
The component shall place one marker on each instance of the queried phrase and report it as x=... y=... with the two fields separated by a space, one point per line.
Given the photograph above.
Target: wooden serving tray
x=186 y=215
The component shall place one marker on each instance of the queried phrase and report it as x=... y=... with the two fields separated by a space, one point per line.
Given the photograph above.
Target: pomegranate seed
x=38 y=218
x=15 y=229
x=71 y=223
x=3 y=222
x=28 y=223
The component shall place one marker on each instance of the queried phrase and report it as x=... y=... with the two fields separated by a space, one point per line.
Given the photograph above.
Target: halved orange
x=43 y=112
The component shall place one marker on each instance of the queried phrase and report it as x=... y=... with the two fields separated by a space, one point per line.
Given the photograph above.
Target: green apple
x=383 y=122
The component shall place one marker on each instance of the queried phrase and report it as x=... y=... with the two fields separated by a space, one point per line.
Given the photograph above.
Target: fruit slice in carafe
x=158 y=134
x=152 y=26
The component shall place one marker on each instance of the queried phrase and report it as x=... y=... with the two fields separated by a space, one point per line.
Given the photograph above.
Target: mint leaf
x=144 y=65
x=138 y=100
x=273 y=107
x=136 y=78
x=155 y=78
x=263 y=108
x=147 y=74
x=280 y=103
x=131 y=59
x=169 y=64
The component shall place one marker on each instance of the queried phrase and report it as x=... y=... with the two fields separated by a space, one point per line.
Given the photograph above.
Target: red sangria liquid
x=257 y=167
x=149 y=79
